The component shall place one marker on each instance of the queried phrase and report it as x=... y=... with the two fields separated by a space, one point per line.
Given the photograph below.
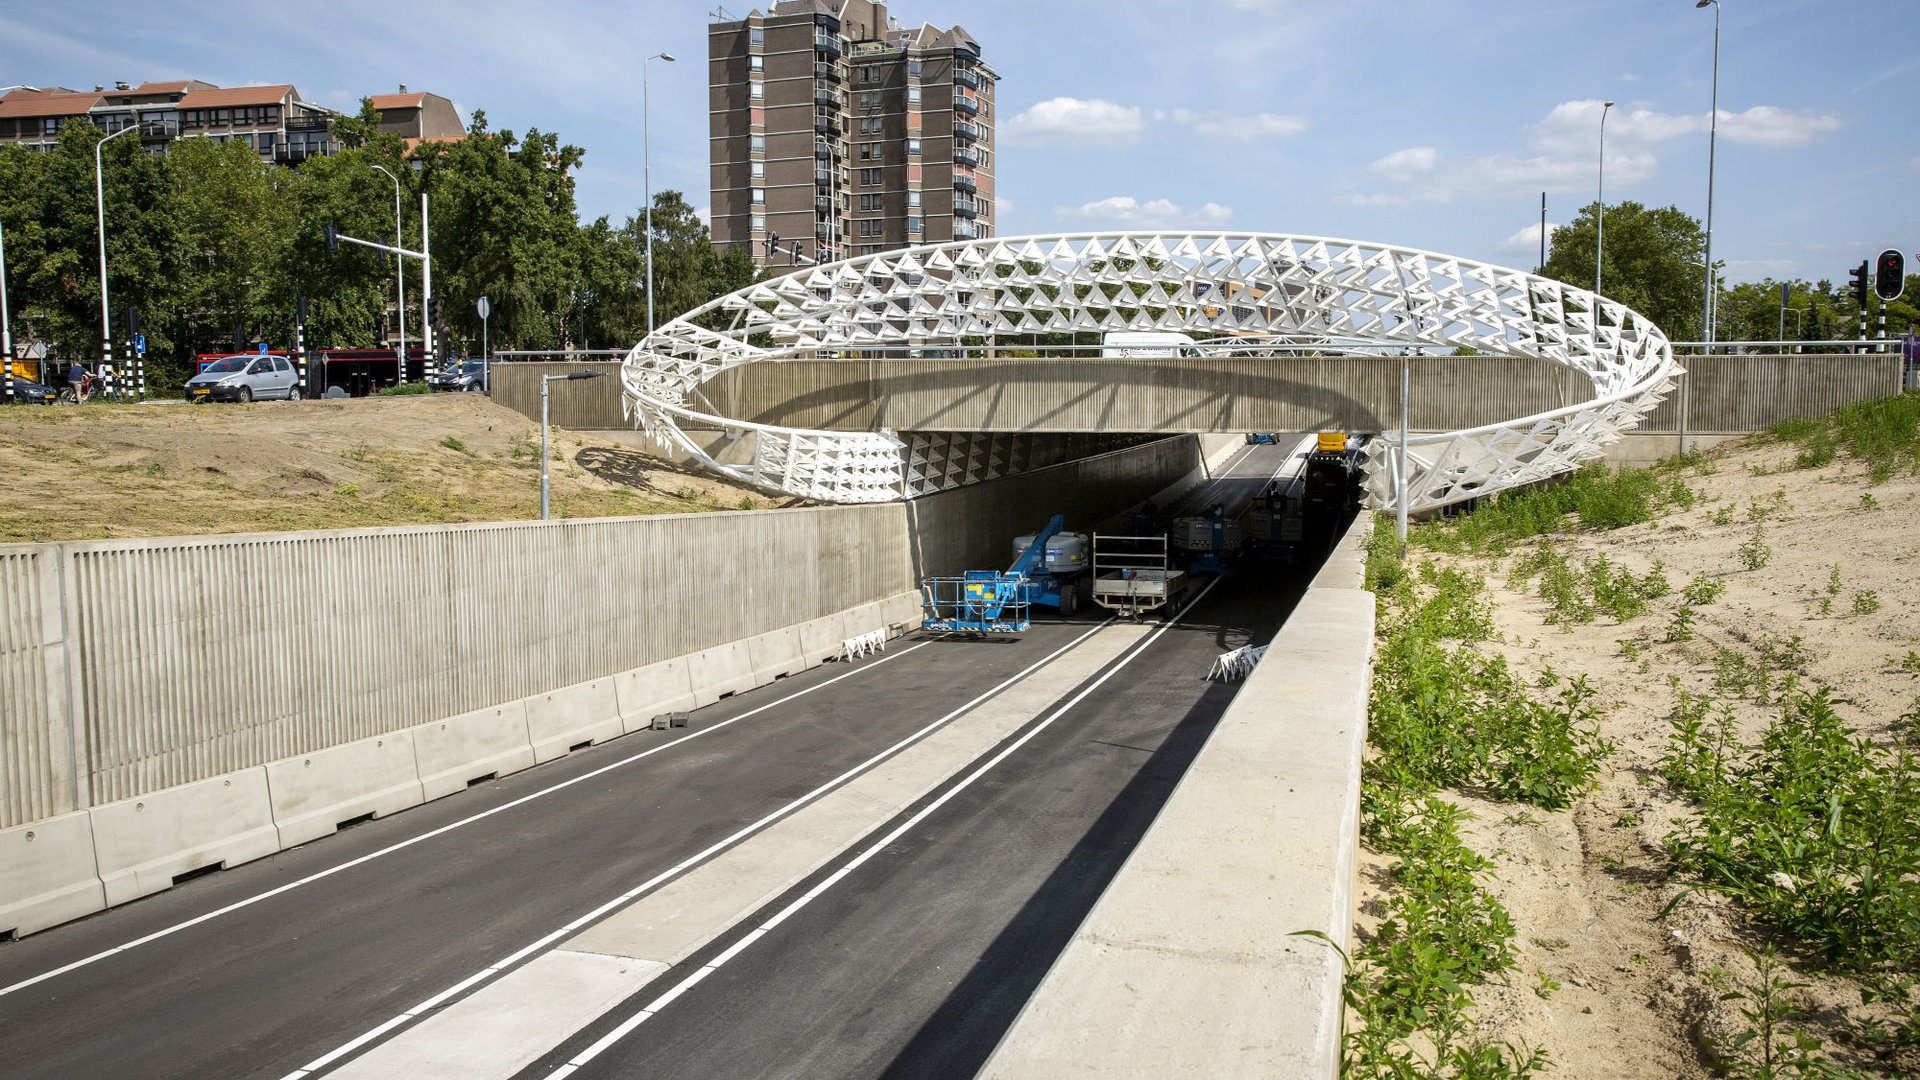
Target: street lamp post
x=546 y=487
x=100 y=206
x=1713 y=126
x=399 y=276
x=646 y=157
x=1600 y=212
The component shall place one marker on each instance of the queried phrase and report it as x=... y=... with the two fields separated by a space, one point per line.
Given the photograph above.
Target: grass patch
x=1592 y=498
x=1883 y=433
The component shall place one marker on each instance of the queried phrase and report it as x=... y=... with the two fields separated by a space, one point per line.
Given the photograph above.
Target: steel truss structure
x=1234 y=290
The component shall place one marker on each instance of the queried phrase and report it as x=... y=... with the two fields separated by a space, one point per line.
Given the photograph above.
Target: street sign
x=482 y=307
x=140 y=344
x=263 y=348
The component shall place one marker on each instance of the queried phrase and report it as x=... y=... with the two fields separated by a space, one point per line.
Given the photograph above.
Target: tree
x=1650 y=263
x=234 y=220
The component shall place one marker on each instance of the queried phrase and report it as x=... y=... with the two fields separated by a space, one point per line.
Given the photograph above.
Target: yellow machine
x=1332 y=442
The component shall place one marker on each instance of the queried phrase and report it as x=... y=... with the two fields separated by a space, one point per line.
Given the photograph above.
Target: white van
x=1138 y=343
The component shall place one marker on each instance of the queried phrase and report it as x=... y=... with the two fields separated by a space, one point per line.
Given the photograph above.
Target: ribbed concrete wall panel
x=1729 y=395
x=204 y=655
x=36 y=760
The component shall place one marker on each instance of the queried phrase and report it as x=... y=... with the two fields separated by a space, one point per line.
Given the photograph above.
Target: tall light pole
x=545 y=486
x=6 y=325
x=1713 y=125
x=1600 y=202
x=100 y=205
x=646 y=157
x=399 y=274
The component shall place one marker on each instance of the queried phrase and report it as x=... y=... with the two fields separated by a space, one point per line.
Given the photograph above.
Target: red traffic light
x=1889 y=275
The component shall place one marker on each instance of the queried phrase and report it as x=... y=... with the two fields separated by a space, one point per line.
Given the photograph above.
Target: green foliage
x=1755 y=554
x=1884 y=433
x=1767 y=1047
x=1647 y=253
x=1592 y=498
x=405 y=389
x=1702 y=591
x=1816 y=829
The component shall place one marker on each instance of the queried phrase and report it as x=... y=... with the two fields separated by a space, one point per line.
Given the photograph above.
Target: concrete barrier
x=142 y=844
x=51 y=876
x=1186 y=966
x=646 y=692
x=718 y=672
x=313 y=793
x=776 y=654
x=452 y=753
x=559 y=721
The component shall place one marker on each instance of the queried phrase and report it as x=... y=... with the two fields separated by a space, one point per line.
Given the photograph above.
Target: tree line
x=212 y=246
x=1651 y=268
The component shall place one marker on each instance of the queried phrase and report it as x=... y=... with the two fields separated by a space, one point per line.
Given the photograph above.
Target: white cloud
x=1065 y=120
x=1528 y=239
x=1258 y=7
x=1237 y=127
x=1405 y=164
x=1127 y=210
x=1629 y=77
x=705 y=214
x=1565 y=147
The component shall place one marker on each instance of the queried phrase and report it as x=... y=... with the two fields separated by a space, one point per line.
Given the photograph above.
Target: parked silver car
x=244 y=377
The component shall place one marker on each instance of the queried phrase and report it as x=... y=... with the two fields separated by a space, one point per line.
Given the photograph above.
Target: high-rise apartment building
x=840 y=133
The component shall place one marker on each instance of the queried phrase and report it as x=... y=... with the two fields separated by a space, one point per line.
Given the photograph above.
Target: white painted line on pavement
x=657 y=880
x=370 y=856
x=653 y=1007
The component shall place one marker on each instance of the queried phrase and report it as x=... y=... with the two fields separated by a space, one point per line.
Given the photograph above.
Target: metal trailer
x=1133 y=574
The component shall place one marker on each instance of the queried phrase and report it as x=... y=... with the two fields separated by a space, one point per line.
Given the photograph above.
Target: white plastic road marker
x=549 y=939
x=653 y=1007
x=447 y=828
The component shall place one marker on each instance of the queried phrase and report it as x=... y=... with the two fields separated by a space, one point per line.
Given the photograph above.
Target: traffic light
x=1889 y=275
x=300 y=308
x=433 y=311
x=131 y=321
x=773 y=244
x=333 y=239
x=1859 y=288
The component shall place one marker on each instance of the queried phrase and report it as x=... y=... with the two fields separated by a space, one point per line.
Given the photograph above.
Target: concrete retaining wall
x=1186 y=966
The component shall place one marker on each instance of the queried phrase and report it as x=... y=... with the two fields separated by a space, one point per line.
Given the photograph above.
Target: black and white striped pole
x=300 y=343
x=6 y=322
x=100 y=210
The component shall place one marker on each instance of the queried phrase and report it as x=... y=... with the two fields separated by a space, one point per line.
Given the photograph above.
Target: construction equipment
x=1206 y=542
x=1046 y=571
x=1133 y=574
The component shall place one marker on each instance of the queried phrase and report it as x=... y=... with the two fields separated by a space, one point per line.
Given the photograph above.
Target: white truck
x=1133 y=344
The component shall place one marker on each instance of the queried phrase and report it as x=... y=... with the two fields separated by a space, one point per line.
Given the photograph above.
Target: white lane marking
x=653 y=1007
x=657 y=880
x=369 y=857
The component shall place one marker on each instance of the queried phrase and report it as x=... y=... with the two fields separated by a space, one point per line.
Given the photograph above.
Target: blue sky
x=1434 y=124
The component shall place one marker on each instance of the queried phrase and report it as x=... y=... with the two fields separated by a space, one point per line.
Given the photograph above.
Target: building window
x=759 y=196
x=869 y=74
x=913 y=95
x=870 y=100
x=757 y=169
x=758 y=222
x=913 y=224
x=869 y=177
x=756 y=90
x=869 y=125
x=757 y=144
x=913 y=69
x=871 y=227
x=756 y=36
x=913 y=147
x=913 y=199
x=756 y=62
x=270 y=114
x=869 y=151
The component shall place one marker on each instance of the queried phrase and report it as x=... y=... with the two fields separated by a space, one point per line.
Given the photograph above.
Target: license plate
x=201 y=393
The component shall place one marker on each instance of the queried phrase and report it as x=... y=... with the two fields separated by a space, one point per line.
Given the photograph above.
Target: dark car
x=28 y=392
x=469 y=376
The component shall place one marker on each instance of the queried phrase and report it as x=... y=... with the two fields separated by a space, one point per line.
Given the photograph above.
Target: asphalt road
x=916 y=962
x=266 y=988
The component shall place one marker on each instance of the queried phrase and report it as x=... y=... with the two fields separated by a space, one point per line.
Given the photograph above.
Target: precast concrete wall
x=972 y=528
x=186 y=658
x=1188 y=965
x=578 y=405
x=1731 y=395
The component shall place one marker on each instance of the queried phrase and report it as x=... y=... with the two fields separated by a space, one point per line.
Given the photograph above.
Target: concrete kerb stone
x=646 y=692
x=776 y=654
x=142 y=844
x=719 y=671
x=562 y=719
x=1186 y=965
x=451 y=753
x=313 y=793
x=51 y=875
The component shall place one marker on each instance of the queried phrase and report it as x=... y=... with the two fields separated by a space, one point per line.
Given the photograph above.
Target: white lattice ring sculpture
x=1337 y=295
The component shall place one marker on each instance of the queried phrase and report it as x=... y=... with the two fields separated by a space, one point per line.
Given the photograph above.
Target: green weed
x=1702 y=591
x=1755 y=554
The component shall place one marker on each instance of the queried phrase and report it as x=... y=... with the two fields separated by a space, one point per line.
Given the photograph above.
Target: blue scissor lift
x=1000 y=602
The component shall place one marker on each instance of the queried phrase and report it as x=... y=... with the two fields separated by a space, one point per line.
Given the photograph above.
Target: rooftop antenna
x=719 y=14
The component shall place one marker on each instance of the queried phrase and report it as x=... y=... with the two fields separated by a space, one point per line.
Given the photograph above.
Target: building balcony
x=827 y=44
x=823 y=229
x=964 y=182
x=964 y=230
x=966 y=155
x=965 y=77
x=829 y=72
x=823 y=177
x=825 y=95
x=823 y=204
x=966 y=103
x=826 y=125
x=965 y=132
x=309 y=123
x=825 y=151
x=966 y=208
